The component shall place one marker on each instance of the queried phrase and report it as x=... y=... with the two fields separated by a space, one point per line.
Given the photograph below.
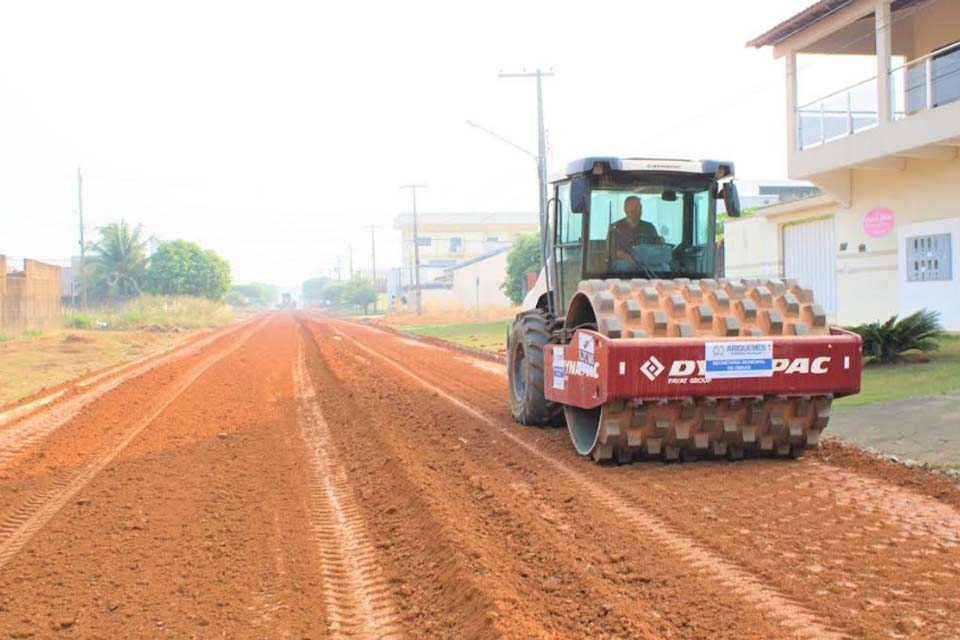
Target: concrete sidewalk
x=926 y=429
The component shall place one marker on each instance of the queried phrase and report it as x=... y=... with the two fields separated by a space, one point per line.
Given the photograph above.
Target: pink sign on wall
x=878 y=222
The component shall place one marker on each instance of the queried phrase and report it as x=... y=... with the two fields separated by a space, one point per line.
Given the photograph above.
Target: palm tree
x=119 y=260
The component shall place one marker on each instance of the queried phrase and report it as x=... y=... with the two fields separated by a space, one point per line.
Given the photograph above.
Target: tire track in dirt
x=450 y=548
x=752 y=589
x=527 y=525
x=870 y=556
x=29 y=431
x=22 y=524
x=358 y=599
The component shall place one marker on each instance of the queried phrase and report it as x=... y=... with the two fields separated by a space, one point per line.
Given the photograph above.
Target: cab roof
x=713 y=168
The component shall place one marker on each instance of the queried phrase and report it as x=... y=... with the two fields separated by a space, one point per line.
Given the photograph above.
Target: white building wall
x=482 y=280
x=869 y=284
x=463 y=294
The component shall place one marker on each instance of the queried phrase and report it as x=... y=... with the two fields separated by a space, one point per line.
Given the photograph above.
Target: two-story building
x=448 y=240
x=884 y=237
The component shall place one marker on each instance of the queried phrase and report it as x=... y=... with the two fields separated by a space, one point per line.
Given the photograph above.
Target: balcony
x=919 y=85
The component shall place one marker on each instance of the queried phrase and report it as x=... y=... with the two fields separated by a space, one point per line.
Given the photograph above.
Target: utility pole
x=350 y=259
x=338 y=268
x=373 y=258
x=541 y=138
x=416 y=244
x=83 y=244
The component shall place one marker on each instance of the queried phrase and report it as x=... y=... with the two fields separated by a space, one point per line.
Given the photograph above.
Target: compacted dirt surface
x=302 y=477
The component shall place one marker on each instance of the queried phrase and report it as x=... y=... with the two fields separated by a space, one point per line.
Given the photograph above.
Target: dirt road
x=300 y=477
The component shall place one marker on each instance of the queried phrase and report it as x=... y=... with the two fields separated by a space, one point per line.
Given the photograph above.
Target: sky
x=277 y=132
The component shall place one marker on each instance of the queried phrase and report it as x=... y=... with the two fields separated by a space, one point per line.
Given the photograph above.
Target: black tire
x=529 y=337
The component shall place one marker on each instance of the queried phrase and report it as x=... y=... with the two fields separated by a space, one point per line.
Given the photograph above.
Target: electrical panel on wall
x=929 y=257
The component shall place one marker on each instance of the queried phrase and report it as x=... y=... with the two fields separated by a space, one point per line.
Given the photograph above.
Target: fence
x=29 y=299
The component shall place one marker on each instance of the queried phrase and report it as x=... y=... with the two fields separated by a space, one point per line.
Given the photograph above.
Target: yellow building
x=449 y=239
x=884 y=238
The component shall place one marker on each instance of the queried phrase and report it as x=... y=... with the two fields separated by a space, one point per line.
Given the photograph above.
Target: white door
x=810 y=257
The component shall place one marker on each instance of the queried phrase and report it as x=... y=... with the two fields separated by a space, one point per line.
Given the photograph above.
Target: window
x=946 y=76
x=569 y=249
x=672 y=237
x=944 y=80
x=929 y=258
x=423 y=241
x=456 y=244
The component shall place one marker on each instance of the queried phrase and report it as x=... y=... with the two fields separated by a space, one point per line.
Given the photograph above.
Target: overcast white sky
x=273 y=131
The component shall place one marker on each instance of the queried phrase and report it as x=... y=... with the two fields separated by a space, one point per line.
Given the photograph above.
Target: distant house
x=476 y=283
x=884 y=236
x=449 y=241
x=761 y=193
x=70 y=288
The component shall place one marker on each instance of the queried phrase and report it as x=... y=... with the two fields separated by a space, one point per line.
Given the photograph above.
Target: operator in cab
x=629 y=232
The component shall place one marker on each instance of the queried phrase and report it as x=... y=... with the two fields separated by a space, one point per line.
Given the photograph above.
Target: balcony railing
x=838 y=115
x=930 y=81
x=927 y=82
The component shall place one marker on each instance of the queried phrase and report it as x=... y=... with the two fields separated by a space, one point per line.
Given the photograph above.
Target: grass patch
x=28 y=366
x=882 y=383
x=156 y=313
x=488 y=336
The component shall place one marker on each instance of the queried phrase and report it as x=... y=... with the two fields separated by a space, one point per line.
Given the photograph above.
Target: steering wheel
x=687 y=257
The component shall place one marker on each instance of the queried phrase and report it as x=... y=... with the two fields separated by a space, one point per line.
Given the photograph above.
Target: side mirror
x=580 y=195
x=731 y=199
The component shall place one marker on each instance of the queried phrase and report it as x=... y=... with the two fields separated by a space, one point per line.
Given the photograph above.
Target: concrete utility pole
x=541 y=161
x=373 y=258
x=541 y=137
x=416 y=245
x=83 y=244
x=350 y=259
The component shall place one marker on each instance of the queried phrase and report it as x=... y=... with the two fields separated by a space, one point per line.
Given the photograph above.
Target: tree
x=361 y=293
x=523 y=258
x=119 y=261
x=184 y=268
x=313 y=290
x=338 y=294
x=254 y=293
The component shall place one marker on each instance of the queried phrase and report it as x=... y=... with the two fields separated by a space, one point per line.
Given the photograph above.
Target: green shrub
x=886 y=342
x=79 y=321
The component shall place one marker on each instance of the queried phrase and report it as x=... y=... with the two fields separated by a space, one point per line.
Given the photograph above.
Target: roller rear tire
x=529 y=337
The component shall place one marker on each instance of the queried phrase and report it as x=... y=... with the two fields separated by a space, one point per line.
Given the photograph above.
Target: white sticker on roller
x=585 y=355
x=558 y=368
x=739 y=359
